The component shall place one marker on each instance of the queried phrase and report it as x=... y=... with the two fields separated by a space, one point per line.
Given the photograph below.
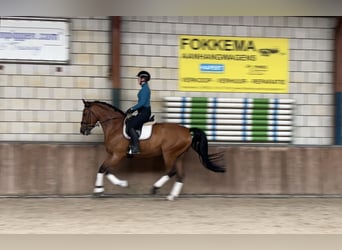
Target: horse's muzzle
x=85 y=131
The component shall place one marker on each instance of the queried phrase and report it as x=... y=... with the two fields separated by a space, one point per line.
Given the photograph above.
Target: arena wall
x=43 y=153
x=64 y=169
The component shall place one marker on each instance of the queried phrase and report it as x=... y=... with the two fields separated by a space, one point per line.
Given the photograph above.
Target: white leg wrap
x=99 y=183
x=113 y=179
x=99 y=180
x=161 y=181
x=176 y=189
x=98 y=190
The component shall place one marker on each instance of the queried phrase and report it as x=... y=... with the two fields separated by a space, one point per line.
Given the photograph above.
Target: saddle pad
x=146 y=131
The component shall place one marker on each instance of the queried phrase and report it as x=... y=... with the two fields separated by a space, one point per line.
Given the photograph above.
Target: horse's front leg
x=104 y=171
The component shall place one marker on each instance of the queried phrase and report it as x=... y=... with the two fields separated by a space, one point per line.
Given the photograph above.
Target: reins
x=96 y=124
x=113 y=118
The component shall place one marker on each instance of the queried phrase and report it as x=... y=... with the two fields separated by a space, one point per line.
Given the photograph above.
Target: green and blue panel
x=234 y=119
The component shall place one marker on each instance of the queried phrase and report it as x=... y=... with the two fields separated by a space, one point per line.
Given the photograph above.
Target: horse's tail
x=200 y=145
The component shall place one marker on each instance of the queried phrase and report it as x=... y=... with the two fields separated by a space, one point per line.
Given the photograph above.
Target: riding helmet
x=145 y=75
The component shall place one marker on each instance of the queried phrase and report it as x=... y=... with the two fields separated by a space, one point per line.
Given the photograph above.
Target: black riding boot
x=134 y=147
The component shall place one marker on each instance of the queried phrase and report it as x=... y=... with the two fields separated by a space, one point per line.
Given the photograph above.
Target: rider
x=144 y=112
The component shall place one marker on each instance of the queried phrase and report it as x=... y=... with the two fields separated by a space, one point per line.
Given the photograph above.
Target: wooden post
x=338 y=82
x=115 y=64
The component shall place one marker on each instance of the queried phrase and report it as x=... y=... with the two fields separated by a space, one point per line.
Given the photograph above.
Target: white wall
x=39 y=104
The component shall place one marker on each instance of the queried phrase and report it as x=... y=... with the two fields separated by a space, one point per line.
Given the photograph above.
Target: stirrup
x=130 y=151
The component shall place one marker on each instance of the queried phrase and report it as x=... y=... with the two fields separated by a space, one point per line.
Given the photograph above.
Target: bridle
x=89 y=126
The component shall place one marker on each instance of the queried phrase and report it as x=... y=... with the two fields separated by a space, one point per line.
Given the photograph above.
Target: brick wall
x=40 y=104
x=152 y=43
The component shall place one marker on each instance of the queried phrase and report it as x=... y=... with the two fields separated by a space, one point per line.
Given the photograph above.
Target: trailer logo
x=267 y=52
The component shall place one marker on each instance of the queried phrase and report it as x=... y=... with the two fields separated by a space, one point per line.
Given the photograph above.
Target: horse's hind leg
x=176 y=168
x=159 y=183
x=177 y=186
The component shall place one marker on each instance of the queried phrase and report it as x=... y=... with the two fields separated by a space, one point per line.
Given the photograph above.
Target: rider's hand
x=129 y=111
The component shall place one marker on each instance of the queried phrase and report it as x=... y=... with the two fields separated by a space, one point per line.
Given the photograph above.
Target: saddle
x=145 y=132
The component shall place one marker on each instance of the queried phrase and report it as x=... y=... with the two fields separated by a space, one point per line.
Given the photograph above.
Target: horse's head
x=98 y=112
x=89 y=119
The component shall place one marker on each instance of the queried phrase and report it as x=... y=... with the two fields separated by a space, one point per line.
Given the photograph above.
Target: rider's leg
x=134 y=141
x=136 y=123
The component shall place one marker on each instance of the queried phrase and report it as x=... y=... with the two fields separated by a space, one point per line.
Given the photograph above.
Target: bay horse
x=168 y=139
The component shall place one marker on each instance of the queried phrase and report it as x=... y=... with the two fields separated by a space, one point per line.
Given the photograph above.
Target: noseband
x=88 y=124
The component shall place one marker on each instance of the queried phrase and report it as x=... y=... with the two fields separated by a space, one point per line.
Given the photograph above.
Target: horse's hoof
x=123 y=184
x=98 y=189
x=97 y=195
x=170 y=197
x=154 y=190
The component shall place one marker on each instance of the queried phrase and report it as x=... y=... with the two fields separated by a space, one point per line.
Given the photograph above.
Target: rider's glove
x=129 y=111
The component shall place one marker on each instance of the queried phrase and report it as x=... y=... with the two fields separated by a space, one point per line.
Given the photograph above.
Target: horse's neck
x=110 y=125
x=111 y=122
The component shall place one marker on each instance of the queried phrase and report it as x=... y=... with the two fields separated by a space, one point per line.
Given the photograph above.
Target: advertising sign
x=233 y=64
x=34 y=40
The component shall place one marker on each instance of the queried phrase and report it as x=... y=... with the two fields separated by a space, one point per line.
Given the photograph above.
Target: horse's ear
x=86 y=104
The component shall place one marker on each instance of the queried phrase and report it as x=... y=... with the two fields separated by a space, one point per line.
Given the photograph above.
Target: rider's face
x=140 y=80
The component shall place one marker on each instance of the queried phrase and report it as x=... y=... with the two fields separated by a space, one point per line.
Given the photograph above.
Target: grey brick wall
x=152 y=43
x=40 y=104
